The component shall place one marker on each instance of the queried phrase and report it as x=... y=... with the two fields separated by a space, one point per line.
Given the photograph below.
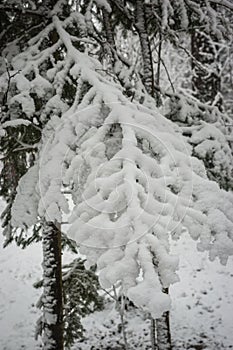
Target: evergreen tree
x=133 y=181
x=28 y=100
x=134 y=176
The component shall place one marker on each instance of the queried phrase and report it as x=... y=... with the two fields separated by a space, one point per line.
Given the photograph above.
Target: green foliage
x=81 y=297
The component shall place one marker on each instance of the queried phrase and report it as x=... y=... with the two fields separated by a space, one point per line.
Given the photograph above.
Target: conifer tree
x=133 y=181
x=29 y=98
x=134 y=176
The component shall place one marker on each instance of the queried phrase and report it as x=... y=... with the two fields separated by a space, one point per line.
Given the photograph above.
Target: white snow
x=202 y=304
x=19 y=269
x=129 y=212
x=153 y=186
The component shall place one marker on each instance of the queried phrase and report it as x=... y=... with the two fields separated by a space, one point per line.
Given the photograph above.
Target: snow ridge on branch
x=134 y=184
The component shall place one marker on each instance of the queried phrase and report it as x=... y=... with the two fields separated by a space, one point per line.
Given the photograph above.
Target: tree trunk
x=141 y=27
x=152 y=334
x=163 y=332
x=108 y=29
x=52 y=295
x=206 y=81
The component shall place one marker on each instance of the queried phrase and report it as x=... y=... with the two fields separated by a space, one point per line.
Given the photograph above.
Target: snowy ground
x=202 y=309
x=201 y=318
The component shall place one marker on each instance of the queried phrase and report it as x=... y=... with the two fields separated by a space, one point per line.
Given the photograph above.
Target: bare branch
x=4 y=100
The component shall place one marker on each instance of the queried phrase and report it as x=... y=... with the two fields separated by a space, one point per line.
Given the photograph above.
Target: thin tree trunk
x=52 y=295
x=152 y=334
x=108 y=29
x=141 y=27
x=113 y=52
x=163 y=332
x=158 y=97
x=122 y=310
x=120 y=306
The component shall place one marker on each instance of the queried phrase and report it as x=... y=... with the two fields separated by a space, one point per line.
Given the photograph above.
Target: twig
x=158 y=67
x=4 y=100
x=85 y=40
x=121 y=308
x=113 y=297
x=198 y=63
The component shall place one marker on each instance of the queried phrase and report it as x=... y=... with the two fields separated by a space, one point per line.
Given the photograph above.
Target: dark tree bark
x=152 y=334
x=52 y=283
x=163 y=330
x=206 y=80
x=158 y=97
x=108 y=29
x=141 y=27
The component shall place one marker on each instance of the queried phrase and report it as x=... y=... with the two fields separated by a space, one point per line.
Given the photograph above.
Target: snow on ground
x=202 y=309
x=19 y=269
x=201 y=317
x=203 y=300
